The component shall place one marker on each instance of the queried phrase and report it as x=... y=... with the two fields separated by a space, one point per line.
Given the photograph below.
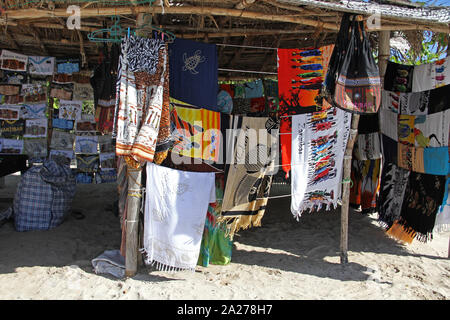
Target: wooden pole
x=346 y=187
x=134 y=198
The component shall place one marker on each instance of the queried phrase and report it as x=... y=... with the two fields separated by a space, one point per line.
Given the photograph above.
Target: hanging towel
x=317 y=159
x=176 y=203
x=194 y=72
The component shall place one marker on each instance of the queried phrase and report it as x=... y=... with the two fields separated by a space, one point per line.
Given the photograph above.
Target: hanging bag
x=337 y=56
x=358 y=84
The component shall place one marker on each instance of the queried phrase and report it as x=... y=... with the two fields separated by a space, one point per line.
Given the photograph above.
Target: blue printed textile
x=43 y=196
x=193 y=73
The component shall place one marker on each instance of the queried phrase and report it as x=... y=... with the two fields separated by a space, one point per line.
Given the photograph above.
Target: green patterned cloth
x=215 y=247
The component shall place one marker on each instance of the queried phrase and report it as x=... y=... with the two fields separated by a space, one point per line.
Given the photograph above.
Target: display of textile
x=254 y=89
x=423 y=196
x=241 y=106
x=442 y=222
x=300 y=77
x=318 y=160
x=13 y=61
x=215 y=248
x=62 y=140
x=431 y=75
x=164 y=140
x=398 y=77
x=12 y=128
x=11 y=146
x=13 y=77
x=70 y=110
x=420 y=131
x=224 y=102
x=249 y=173
x=34 y=92
x=9 y=112
x=176 y=204
x=106 y=176
x=417 y=103
x=418 y=159
x=195 y=132
x=86 y=144
x=62 y=124
x=365 y=175
x=42 y=66
x=140 y=98
x=366 y=165
x=61 y=91
x=83 y=91
x=33 y=111
x=87 y=162
x=43 y=196
x=36 y=128
x=35 y=148
x=194 y=73
x=104 y=115
x=67 y=65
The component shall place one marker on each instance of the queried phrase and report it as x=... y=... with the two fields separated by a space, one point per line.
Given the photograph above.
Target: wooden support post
x=346 y=187
x=134 y=199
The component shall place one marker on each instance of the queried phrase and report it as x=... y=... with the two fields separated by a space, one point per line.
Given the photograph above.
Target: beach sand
x=283 y=259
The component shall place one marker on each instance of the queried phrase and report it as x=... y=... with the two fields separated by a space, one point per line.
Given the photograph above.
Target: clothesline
x=243 y=46
x=247 y=71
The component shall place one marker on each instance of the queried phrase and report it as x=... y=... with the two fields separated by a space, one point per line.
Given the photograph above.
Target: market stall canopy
x=246 y=27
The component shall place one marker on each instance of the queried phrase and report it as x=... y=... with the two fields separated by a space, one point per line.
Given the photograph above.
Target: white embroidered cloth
x=317 y=157
x=176 y=204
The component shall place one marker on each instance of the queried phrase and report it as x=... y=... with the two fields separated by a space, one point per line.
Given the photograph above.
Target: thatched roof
x=39 y=27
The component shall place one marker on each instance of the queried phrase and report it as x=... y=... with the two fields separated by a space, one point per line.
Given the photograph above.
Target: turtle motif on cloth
x=190 y=63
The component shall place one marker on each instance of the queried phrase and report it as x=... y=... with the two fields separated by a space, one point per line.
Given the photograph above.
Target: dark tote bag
x=358 y=84
x=337 y=56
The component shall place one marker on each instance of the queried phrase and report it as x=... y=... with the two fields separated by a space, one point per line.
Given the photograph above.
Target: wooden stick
x=132 y=221
x=134 y=196
x=346 y=178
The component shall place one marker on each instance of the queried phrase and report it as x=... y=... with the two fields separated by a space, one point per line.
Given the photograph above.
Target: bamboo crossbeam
x=95 y=12
x=34 y=13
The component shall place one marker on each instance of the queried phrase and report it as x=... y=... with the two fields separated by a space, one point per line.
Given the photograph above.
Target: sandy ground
x=283 y=259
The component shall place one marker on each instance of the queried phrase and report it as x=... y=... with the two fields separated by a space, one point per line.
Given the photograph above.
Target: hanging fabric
x=215 y=248
x=318 y=160
x=195 y=132
x=249 y=173
x=300 y=76
x=176 y=204
x=140 y=97
x=194 y=73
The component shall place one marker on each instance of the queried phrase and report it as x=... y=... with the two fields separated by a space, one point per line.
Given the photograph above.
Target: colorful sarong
x=300 y=77
x=140 y=99
x=216 y=248
x=254 y=151
x=196 y=132
x=318 y=159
